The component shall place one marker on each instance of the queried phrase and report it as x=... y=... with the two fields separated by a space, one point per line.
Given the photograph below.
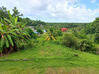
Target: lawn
x=49 y=58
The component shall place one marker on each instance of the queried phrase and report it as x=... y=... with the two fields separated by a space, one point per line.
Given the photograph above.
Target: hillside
x=49 y=58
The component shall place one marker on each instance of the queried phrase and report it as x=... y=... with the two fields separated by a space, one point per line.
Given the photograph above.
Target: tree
x=3 y=13
x=16 y=13
x=27 y=21
x=93 y=28
x=12 y=34
x=96 y=27
x=40 y=31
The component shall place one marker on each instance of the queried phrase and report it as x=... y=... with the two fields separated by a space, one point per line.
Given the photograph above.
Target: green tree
x=12 y=34
x=16 y=13
x=3 y=13
x=27 y=21
x=40 y=31
x=96 y=27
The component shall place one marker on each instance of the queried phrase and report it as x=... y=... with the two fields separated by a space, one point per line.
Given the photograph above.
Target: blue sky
x=56 y=10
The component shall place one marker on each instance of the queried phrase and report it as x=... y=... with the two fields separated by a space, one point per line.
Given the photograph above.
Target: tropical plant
x=31 y=33
x=39 y=31
x=50 y=36
x=12 y=34
x=86 y=45
x=16 y=13
x=70 y=40
x=3 y=13
x=97 y=38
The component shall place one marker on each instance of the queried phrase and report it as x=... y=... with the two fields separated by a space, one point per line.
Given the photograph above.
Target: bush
x=40 y=31
x=97 y=38
x=80 y=35
x=31 y=43
x=58 y=40
x=70 y=40
x=31 y=33
x=59 y=33
x=86 y=45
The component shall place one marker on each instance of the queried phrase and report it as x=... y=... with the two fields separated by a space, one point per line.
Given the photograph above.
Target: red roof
x=64 y=29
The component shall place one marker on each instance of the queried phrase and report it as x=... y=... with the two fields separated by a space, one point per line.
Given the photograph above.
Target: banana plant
x=50 y=36
x=11 y=32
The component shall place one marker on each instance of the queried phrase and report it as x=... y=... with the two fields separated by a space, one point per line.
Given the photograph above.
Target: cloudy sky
x=56 y=10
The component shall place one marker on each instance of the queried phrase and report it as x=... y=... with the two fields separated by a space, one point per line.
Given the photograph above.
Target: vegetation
x=67 y=25
x=70 y=40
x=39 y=31
x=46 y=46
x=50 y=55
x=3 y=13
x=12 y=33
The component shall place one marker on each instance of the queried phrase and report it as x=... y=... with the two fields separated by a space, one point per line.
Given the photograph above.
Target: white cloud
x=93 y=1
x=53 y=10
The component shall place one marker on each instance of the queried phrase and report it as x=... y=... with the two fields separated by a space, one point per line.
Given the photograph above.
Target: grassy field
x=49 y=58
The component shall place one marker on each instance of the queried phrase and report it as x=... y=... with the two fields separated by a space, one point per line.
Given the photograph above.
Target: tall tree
x=16 y=13
x=96 y=25
x=3 y=13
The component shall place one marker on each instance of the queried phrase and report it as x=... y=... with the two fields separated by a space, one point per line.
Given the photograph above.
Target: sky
x=56 y=10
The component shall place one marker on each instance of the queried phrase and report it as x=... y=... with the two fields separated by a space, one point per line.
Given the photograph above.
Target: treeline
x=93 y=28
x=67 y=25
x=30 y=22
x=14 y=34
x=16 y=13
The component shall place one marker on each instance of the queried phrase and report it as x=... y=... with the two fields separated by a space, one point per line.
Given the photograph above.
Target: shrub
x=41 y=40
x=97 y=38
x=86 y=45
x=58 y=40
x=80 y=35
x=40 y=31
x=70 y=40
x=59 y=33
x=31 y=33
x=31 y=43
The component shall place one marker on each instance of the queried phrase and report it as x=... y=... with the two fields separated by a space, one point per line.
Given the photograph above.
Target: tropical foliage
x=12 y=34
x=15 y=33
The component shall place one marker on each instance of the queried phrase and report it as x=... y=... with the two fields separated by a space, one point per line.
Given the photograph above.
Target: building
x=64 y=29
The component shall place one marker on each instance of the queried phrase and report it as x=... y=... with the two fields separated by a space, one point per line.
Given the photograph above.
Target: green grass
x=50 y=57
x=97 y=46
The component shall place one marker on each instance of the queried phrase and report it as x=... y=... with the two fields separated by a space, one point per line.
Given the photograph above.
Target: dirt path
x=72 y=71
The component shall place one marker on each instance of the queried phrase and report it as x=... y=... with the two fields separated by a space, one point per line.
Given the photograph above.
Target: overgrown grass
x=50 y=57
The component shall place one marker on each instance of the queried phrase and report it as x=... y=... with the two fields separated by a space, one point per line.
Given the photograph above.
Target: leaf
x=2 y=42
x=16 y=19
x=10 y=39
x=13 y=20
x=7 y=42
x=10 y=15
x=13 y=33
x=7 y=20
x=0 y=26
x=5 y=28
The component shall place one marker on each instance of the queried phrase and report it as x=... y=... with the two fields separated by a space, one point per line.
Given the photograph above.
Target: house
x=64 y=29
